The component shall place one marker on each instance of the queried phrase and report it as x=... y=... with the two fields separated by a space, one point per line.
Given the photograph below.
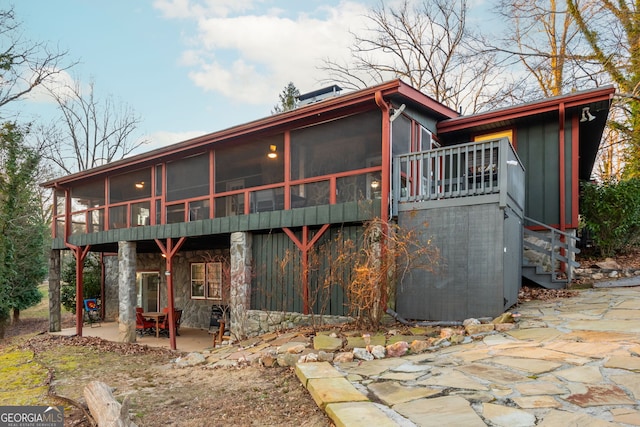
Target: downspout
x=386 y=158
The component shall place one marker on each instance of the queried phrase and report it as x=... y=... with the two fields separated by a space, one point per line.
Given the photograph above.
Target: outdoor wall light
x=586 y=115
x=272 y=152
x=140 y=185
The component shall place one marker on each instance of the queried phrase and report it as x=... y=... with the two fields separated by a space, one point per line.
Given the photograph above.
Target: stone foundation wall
x=260 y=322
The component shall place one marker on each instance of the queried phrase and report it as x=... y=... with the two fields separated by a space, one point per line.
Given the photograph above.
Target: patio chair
x=218 y=325
x=177 y=317
x=144 y=326
x=92 y=312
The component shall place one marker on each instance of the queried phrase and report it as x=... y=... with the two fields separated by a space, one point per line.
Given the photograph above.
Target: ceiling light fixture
x=272 y=152
x=140 y=185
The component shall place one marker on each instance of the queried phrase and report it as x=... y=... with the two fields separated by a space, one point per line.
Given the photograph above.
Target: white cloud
x=190 y=9
x=251 y=57
x=162 y=139
x=58 y=83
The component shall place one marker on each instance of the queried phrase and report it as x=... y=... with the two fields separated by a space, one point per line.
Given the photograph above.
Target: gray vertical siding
x=538 y=150
x=277 y=281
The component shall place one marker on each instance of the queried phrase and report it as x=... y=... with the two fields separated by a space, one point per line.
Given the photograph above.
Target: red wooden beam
x=304 y=245
x=80 y=254
x=169 y=251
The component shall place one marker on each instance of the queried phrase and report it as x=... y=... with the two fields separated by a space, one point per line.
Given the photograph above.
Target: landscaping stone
x=191 y=359
x=505 y=416
x=479 y=329
x=333 y=390
x=358 y=414
x=440 y=411
x=419 y=346
x=627 y=363
x=287 y=359
x=391 y=393
x=378 y=351
x=327 y=343
x=291 y=347
x=397 y=349
x=362 y=354
x=598 y=395
x=343 y=357
x=536 y=402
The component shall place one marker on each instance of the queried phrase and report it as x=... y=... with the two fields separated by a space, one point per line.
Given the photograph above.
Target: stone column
x=55 y=317
x=240 y=292
x=127 y=291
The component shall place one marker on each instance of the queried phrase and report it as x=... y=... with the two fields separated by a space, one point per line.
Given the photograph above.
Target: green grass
x=40 y=311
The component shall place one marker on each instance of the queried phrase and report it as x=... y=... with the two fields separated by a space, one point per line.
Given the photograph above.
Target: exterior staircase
x=549 y=255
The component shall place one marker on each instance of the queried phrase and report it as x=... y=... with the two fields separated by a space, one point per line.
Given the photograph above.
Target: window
x=341 y=145
x=134 y=185
x=206 y=280
x=188 y=178
x=495 y=135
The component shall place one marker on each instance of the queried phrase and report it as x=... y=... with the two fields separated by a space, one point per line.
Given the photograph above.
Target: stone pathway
x=570 y=362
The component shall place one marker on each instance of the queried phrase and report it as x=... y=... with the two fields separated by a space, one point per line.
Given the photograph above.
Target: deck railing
x=464 y=170
x=551 y=249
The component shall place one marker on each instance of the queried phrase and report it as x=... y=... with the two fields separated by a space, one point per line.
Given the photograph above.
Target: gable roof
x=572 y=100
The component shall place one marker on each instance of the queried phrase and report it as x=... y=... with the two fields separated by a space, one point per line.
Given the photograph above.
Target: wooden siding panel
x=468 y=280
x=277 y=283
x=538 y=150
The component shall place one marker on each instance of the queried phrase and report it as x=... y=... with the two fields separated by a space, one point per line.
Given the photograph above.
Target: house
x=210 y=220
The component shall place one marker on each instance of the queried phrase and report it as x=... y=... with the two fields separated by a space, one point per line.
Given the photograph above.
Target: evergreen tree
x=22 y=231
x=288 y=99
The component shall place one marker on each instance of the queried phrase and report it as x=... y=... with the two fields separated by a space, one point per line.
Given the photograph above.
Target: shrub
x=611 y=212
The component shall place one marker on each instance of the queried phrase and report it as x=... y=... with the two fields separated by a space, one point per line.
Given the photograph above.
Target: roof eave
x=537 y=107
x=349 y=100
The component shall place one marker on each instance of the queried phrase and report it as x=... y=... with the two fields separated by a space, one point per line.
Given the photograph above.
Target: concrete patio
x=190 y=339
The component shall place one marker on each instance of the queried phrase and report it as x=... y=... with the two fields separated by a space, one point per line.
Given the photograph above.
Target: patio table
x=157 y=316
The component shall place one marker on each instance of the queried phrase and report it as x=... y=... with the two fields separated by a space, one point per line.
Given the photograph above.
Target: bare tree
x=90 y=133
x=612 y=30
x=430 y=47
x=543 y=37
x=24 y=65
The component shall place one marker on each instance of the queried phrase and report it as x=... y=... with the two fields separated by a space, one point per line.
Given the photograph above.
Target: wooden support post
x=169 y=251
x=304 y=247
x=80 y=254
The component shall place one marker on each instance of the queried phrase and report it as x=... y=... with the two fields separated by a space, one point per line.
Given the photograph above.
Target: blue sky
x=190 y=67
